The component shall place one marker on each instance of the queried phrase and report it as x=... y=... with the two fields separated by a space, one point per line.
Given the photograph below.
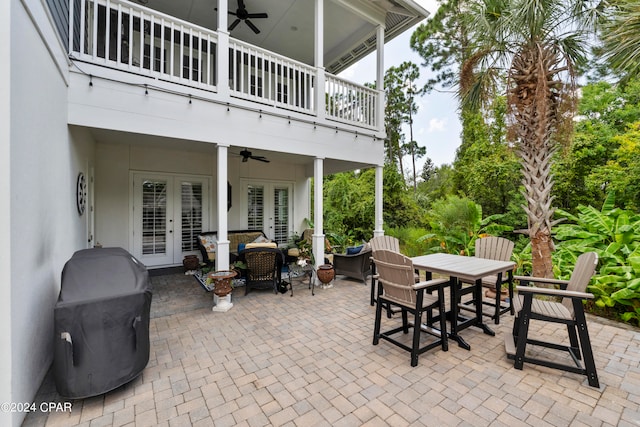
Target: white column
x=319 y=59
x=318 y=227
x=379 y=223
x=223 y=51
x=222 y=251
x=380 y=77
x=379 y=230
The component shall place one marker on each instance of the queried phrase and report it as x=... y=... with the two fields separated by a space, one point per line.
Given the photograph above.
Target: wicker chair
x=264 y=267
x=569 y=311
x=357 y=265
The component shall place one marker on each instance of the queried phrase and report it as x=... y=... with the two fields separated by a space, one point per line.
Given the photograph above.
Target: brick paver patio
x=309 y=361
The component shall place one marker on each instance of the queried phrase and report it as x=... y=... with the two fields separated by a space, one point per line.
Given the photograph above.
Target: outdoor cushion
x=354 y=250
x=261 y=245
x=209 y=242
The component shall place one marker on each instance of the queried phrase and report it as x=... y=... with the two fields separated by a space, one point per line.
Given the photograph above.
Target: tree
x=438 y=186
x=400 y=108
x=538 y=44
x=443 y=44
x=349 y=203
x=585 y=171
x=621 y=174
x=428 y=170
x=487 y=171
x=621 y=37
x=456 y=223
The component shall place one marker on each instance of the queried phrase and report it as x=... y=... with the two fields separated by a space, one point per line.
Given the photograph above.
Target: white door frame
x=174 y=253
x=268 y=220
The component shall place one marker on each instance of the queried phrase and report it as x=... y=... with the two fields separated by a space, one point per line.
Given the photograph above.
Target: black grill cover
x=101 y=322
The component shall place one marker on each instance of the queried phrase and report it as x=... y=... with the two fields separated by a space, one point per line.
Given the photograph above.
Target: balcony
x=134 y=39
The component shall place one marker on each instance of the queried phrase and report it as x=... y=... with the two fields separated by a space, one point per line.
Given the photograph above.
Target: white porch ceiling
x=349 y=25
x=277 y=158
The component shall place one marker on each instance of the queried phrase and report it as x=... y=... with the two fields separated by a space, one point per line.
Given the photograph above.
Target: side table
x=301 y=272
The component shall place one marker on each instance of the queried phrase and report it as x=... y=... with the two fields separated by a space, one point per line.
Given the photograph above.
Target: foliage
x=621 y=36
x=614 y=234
x=590 y=167
x=621 y=174
x=488 y=162
x=438 y=186
x=409 y=237
x=342 y=241
x=536 y=45
x=399 y=208
x=522 y=256
x=443 y=43
x=400 y=108
x=349 y=204
x=456 y=223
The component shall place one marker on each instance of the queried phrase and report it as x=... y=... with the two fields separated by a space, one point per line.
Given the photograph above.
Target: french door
x=168 y=213
x=269 y=207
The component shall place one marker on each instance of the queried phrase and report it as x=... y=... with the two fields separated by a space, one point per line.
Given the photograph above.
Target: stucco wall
x=45 y=226
x=5 y=210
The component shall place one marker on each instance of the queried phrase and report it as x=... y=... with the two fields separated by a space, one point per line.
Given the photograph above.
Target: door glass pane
x=255 y=214
x=191 y=218
x=154 y=217
x=281 y=214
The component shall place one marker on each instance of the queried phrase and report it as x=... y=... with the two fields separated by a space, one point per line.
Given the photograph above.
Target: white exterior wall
x=5 y=208
x=45 y=227
x=114 y=162
x=125 y=107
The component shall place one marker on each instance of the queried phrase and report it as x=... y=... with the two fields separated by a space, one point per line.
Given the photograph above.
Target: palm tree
x=621 y=37
x=537 y=44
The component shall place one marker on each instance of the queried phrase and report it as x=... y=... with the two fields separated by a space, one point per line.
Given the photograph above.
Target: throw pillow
x=209 y=242
x=260 y=239
x=354 y=250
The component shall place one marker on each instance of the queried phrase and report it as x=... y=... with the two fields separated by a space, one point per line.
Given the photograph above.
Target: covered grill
x=101 y=322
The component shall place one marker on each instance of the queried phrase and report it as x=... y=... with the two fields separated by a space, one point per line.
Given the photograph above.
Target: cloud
x=437 y=125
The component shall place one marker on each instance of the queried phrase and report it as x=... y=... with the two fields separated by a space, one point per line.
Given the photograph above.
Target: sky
x=436 y=125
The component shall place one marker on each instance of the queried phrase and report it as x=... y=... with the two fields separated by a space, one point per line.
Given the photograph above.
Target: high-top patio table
x=467 y=268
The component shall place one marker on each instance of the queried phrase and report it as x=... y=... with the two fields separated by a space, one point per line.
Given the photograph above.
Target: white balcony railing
x=262 y=76
x=350 y=102
x=129 y=37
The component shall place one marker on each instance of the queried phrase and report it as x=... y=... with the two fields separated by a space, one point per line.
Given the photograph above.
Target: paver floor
x=309 y=361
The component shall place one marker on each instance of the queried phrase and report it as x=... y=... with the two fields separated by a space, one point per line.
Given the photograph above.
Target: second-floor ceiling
x=287 y=26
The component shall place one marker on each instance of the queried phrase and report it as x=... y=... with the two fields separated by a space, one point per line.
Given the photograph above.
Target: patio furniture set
x=396 y=287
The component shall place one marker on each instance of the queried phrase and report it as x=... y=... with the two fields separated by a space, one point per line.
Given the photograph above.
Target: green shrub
x=614 y=234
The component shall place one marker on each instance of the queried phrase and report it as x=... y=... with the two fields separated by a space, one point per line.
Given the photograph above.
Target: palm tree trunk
x=534 y=101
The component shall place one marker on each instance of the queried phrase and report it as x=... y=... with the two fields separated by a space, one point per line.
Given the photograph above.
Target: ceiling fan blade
x=234 y=24
x=253 y=27
x=261 y=159
x=257 y=15
x=241 y=4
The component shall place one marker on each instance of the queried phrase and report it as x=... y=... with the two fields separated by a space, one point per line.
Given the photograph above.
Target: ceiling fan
x=246 y=155
x=241 y=14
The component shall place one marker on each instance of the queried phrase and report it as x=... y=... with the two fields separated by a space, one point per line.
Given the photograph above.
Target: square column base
x=222 y=304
